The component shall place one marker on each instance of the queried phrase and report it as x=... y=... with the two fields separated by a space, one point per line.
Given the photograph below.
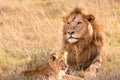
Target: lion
x=51 y=69
x=84 y=40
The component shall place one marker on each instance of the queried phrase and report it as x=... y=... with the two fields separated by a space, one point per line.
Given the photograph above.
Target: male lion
x=83 y=39
x=51 y=69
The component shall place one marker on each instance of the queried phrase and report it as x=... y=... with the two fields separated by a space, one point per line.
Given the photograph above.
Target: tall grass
x=31 y=29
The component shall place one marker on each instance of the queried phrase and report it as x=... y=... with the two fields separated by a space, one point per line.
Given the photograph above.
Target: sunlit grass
x=31 y=29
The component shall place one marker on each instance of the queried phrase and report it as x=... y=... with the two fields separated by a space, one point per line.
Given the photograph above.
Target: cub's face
x=76 y=26
x=59 y=61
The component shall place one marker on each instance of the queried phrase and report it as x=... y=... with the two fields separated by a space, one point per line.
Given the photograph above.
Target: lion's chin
x=72 y=40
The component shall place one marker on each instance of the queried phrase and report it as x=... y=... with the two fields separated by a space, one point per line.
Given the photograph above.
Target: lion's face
x=76 y=26
x=59 y=61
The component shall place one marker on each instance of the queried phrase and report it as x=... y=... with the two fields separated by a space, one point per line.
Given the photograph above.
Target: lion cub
x=51 y=69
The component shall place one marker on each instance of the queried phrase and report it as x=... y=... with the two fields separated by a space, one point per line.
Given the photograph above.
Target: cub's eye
x=61 y=62
x=79 y=23
x=68 y=22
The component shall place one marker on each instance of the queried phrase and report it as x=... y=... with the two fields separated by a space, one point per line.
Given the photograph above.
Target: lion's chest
x=81 y=58
x=76 y=58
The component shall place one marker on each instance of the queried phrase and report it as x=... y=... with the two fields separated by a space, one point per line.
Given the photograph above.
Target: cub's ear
x=89 y=17
x=54 y=56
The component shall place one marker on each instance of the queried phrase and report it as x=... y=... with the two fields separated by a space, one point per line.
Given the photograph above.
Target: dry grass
x=31 y=29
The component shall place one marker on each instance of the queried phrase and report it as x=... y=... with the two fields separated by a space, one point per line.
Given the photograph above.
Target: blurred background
x=31 y=29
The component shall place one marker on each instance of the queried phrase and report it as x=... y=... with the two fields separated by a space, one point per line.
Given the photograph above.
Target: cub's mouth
x=65 y=69
x=72 y=39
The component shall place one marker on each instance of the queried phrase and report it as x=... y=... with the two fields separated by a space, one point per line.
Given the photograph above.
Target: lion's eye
x=79 y=23
x=68 y=22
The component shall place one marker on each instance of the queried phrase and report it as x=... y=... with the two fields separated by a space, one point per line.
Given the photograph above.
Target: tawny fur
x=51 y=69
x=71 y=77
x=87 y=52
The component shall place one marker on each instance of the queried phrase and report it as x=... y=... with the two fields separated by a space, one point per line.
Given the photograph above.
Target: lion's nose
x=71 y=32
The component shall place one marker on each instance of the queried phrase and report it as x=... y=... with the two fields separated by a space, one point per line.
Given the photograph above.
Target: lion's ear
x=89 y=17
x=64 y=19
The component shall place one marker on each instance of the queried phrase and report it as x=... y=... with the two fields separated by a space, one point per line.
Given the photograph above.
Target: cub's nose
x=71 y=32
x=65 y=67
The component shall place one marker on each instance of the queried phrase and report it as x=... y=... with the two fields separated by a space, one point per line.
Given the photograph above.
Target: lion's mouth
x=72 y=39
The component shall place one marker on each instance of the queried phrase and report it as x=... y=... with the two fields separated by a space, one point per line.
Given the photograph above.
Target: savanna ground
x=31 y=29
